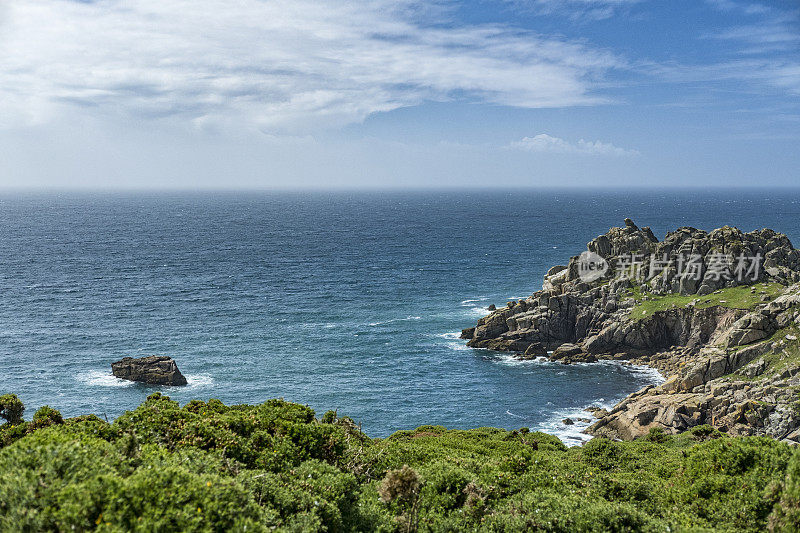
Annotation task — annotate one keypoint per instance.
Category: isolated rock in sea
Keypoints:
(154, 370)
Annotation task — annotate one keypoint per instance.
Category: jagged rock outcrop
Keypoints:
(724, 363)
(729, 384)
(688, 261)
(154, 370)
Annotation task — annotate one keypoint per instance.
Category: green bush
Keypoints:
(47, 416)
(11, 409)
(274, 466)
(786, 512)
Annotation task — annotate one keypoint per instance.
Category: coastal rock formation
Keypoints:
(718, 313)
(154, 370)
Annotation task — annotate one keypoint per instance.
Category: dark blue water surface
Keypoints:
(348, 301)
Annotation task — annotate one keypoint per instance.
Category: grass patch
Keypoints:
(740, 297)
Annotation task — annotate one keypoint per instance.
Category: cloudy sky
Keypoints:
(399, 93)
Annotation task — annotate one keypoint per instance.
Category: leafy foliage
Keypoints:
(11, 408)
(211, 467)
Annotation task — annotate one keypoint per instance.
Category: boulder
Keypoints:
(566, 350)
(571, 353)
(153, 370)
(536, 349)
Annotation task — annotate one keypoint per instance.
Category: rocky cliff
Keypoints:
(718, 313)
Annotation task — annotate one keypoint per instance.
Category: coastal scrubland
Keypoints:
(206, 466)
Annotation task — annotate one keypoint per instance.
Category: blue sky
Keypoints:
(399, 93)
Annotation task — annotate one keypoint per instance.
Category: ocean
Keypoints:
(351, 301)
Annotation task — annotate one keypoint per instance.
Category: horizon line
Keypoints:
(373, 189)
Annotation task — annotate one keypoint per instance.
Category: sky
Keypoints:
(284, 94)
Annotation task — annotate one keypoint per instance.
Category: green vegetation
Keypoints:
(210, 467)
(11, 409)
(740, 297)
(786, 356)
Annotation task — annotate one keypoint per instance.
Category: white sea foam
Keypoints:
(100, 378)
(199, 380)
(508, 359)
(651, 374)
(470, 309)
(458, 346)
(454, 340)
(393, 320)
(571, 435)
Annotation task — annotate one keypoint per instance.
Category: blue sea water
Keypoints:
(340, 300)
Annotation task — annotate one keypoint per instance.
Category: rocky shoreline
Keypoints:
(717, 313)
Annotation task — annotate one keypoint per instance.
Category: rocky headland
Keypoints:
(717, 313)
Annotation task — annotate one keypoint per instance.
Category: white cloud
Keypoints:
(773, 32)
(293, 65)
(544, 143)
(591, 9)
(775, 74)
(763, 52)
(746, 7)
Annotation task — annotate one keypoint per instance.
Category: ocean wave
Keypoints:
(508, 359)
(393, 320)
(454, 341)
(199, 380)
(470, 309)
(100, 378)
(474, 300)
(450, 335)
(458, 346)
(651, 374)
(571, 435)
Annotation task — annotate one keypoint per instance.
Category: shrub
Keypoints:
(602, 453)
(46, 416)
(786, 513)
(656, 434)
(11, 408)
(211, 467)
(402, 487)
